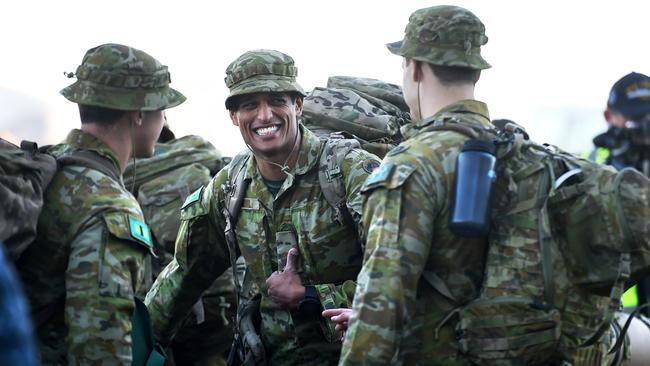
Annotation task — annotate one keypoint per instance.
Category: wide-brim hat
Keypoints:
(445, 36)
(262, 71)
(122, 78)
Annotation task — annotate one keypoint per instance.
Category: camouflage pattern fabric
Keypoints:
(330, 254)
(261, 71)
(370, 110)
(389, 97)
(162, 182)
(123, 78)
(443, 35)
(23, 177)
(87, 263)
(396, 315)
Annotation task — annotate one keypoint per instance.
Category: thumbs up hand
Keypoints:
(285, 287)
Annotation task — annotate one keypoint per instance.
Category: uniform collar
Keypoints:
(470, 109)
(81, 140)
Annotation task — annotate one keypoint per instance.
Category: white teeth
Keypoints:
(266, 130)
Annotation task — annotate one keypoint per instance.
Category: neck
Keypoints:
(271, 167)
(436, 96)
(117, 136)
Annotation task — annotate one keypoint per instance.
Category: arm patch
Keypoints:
(194, 205)
(388, 175)
(128, 227)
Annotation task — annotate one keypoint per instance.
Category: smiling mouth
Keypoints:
(265, 131)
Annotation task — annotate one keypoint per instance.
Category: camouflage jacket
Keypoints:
(330, 253)
(396, 312)
(87, 263)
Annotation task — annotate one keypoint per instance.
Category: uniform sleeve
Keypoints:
(398, 214)
(201, 255)
(356, 168)
(101, 279)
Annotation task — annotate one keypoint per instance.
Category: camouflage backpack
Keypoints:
(161, 185)
(368, 110)
(162, 182)
(567, 237)
(25, 173)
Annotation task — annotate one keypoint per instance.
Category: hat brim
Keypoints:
(265, 84)
(438, 56)
(135, 99)
(632, 111)
(394, 47)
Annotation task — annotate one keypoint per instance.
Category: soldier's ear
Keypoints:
(416, 70)
(136, 118)
(233, 117)
(298, 103)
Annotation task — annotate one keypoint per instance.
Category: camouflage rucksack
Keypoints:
(368, 110)
(163, 181)
(25, 173)
(567, 237)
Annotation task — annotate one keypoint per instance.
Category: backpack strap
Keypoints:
(439, 285)
(92, 160)
(235, 190)
(331, 178)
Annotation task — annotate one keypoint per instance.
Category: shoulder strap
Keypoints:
(89, 159)
(234, 197)
(331, 177)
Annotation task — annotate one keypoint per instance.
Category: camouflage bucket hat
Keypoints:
(123, 78)
(261, 71)
(443, 35)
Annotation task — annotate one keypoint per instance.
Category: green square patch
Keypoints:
(140, 231)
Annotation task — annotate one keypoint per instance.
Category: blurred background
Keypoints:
(553, 61)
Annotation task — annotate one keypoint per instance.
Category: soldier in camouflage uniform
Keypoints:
(283, 217)
(397, 315)
(88, 262)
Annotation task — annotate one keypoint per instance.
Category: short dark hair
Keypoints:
(233, 102)
(99, 115)
(450, 75)
(166, 135)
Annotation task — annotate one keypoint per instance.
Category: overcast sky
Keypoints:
(553, 61)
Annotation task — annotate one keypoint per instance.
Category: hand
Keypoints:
(339, 316)
(285, 288)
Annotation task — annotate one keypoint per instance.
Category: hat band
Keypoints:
(159, 79)
(265, 69)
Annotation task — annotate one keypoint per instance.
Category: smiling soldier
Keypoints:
(271, 206)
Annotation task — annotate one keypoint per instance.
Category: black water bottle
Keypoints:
(475, 176)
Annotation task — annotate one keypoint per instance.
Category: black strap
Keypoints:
(621, 337)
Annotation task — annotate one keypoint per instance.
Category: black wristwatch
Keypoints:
(310, 304)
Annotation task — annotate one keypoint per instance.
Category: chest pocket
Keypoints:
(330, 251)
(254, 241)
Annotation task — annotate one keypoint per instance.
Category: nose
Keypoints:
(264, 112)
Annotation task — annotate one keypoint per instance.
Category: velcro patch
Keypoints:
(380, 174)
(140, 231)
(195, 196)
